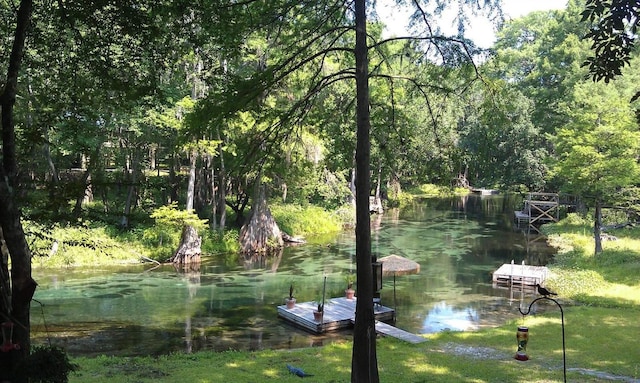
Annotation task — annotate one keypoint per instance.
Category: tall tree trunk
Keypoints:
(352, 187)
(222, 187)
(377, 199)
(364, 362)
(84, 188)
(191, 185)
(597, 225)
(173, 178)
(261, 232)
(131, 190)
(211, 190)
(22, 285)
(189, 250)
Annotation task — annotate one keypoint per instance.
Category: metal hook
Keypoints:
(564, 353)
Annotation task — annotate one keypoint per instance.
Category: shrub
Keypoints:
(298, 220)
(216, 242)
(171, 216)
(47, 364)
(75, 245)
(346, 214)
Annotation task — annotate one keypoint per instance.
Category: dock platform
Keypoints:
(339, 313)
(514, 274)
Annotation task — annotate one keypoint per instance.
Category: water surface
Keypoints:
(231, 303)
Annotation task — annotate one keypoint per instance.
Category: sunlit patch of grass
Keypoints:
(300, 220)
(608, 279)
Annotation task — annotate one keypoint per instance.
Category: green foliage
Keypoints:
(214, 242)
(171, 216)
(597, 149)
(349, 279)
(163, 238)
(48, 364)
(346, 214)
(431, 190)
(497, 133)
(399, 199)
(85, 244)
(330, 190)
(291, 291)
(540, 54)
(304, 221)
(613, 26)
(161, 241)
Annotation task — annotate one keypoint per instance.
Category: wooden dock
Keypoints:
(539, 208)
(512, 274)
(339, 313)
(484, 192)
(387, 329)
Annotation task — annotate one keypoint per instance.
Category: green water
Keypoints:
(231, 304)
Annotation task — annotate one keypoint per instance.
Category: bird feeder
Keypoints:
(522, 335)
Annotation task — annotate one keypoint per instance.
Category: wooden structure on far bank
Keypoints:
(539, 208)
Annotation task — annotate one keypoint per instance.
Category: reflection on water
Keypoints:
(446, 317)
(231, 303)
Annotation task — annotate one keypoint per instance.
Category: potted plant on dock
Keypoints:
(291, 300)
(349, 292)
(319, 313)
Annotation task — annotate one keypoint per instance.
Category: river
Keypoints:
(230, 304)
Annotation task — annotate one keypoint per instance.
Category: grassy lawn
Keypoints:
(600, 342)
(600, 296)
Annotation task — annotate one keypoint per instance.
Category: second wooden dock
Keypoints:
(514, 274)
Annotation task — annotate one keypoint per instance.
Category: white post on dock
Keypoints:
(511, 275)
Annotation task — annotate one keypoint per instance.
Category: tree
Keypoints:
(364, 363)
(16, 291)
(614, 31)
(114, 36)
(597, 151)
(497, 133)
(540, 54)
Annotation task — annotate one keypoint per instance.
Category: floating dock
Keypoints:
(339, 313)
(512, 274)
(484, 191)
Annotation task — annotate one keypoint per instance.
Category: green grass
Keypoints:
(597, 339)
(432, 190)
(608, 279)
(305, 221)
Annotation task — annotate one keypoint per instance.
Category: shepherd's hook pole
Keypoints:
(564, 353)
